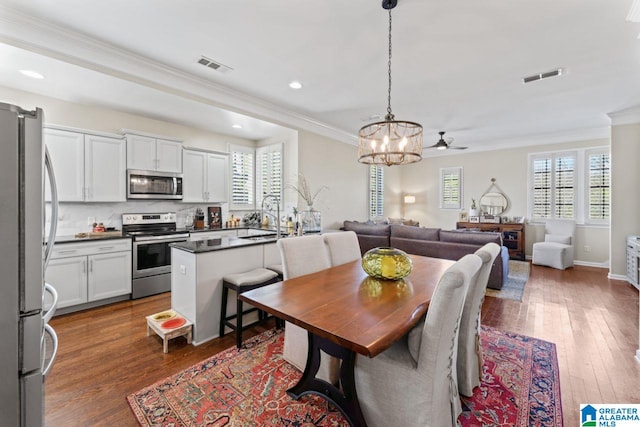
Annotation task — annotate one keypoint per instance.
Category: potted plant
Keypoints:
(310, 219)
(473, 210)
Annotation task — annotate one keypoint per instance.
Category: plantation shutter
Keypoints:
(565, 180)
(376, 191)
(553, 178)
(269, 171)
(451, 188)
(242, 177)
(599, 164)
(542, 188)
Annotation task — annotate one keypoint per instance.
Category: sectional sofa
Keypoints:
(432, 242)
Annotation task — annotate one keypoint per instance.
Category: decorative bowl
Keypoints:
(387, 263)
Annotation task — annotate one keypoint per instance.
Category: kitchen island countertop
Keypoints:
(222, 243)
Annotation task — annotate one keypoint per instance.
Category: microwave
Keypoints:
(153, 185)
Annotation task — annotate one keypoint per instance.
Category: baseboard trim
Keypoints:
(587, 264)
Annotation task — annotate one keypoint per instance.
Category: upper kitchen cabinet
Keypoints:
(205, 176)
(147, 152)
(88, 167)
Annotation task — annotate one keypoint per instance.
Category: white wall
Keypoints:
(625, 195)
(509, 168)
(324, 161)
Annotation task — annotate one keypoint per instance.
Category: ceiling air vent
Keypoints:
(533, 78)
(210, 63)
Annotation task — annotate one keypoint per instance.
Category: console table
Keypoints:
(512, 235)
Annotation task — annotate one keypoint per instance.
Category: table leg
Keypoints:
(345, 399)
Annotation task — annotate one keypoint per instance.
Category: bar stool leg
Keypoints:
(238, 322)
(223, 311)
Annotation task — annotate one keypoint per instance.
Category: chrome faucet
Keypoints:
(277, 218)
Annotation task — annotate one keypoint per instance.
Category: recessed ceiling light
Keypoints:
(295, 85)
(32, 74)
(236, 126)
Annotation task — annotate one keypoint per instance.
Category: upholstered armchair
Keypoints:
(557, 249)
(469, 351)
(413, 383)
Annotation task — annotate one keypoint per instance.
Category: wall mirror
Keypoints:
(493, 201)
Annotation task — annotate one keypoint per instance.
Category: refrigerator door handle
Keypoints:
(54, 208)
(54, 339)
(47, 315)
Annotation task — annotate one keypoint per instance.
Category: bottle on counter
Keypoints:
(290, 226)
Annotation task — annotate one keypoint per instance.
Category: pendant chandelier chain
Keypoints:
(389, 114)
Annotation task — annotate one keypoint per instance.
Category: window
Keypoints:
(376, 191)
(451, 188)
(570, 185)
(242, 177)
(598, 188)
(269, 174)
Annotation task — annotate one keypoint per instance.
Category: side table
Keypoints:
(167, 334)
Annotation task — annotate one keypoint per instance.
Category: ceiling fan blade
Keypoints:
(451, 147)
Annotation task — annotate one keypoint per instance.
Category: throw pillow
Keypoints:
(554, 238)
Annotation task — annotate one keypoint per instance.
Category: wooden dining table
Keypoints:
(346, 312)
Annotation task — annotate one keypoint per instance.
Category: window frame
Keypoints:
(377, 211)
(581, 184)
(259, 152)
(443, 203)
(233, 148)
(587, 199)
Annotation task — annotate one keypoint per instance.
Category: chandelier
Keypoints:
(390, 142)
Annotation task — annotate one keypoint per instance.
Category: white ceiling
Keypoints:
(457, 66)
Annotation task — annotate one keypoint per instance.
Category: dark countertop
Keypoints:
(221, 243)
(89, 238)
(202, 230)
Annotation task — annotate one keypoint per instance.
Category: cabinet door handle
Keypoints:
(84, 266)
(71, 251)
(106, 248)
(91, 266)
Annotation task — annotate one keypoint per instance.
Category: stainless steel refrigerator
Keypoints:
(24, 331)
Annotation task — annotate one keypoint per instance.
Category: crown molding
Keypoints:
(41, 37)
(627, 116)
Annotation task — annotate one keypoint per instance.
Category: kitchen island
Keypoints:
(197, 269)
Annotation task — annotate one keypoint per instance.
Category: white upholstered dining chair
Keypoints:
(300, 256)
(413, 383)
(557, 249)
(343, 247)
(469, 362)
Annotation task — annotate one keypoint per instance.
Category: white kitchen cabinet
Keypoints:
(155, 154)
(89, 168)
(86, 272)
(109, 275)
(205, 176)
(69, 277)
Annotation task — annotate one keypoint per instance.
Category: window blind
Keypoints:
(269, 171)
(599, 186)
(451, 188)
(242, 177)
(376, 192)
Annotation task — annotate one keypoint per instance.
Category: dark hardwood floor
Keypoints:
(105, 354)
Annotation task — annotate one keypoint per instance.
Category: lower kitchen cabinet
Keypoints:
(88, 272)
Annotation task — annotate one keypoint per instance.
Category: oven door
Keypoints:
(152, 254)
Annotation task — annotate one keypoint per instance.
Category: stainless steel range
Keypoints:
(151, 234)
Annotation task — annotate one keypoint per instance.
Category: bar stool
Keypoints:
(242, 282)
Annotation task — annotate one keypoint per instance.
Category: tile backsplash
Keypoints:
(73, 217)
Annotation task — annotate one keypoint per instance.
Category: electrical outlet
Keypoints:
(587, 248)
(183, 269)
(91, 220)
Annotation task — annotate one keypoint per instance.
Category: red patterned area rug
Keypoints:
(247, 387)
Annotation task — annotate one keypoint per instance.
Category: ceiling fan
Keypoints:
(445, 145)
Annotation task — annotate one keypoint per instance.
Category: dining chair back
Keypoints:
(413, 383)
(304, 255)
(343, 247)
(469, 363)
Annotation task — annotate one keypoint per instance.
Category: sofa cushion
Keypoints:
(369, 229)
(409, 232)
(471, 238)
